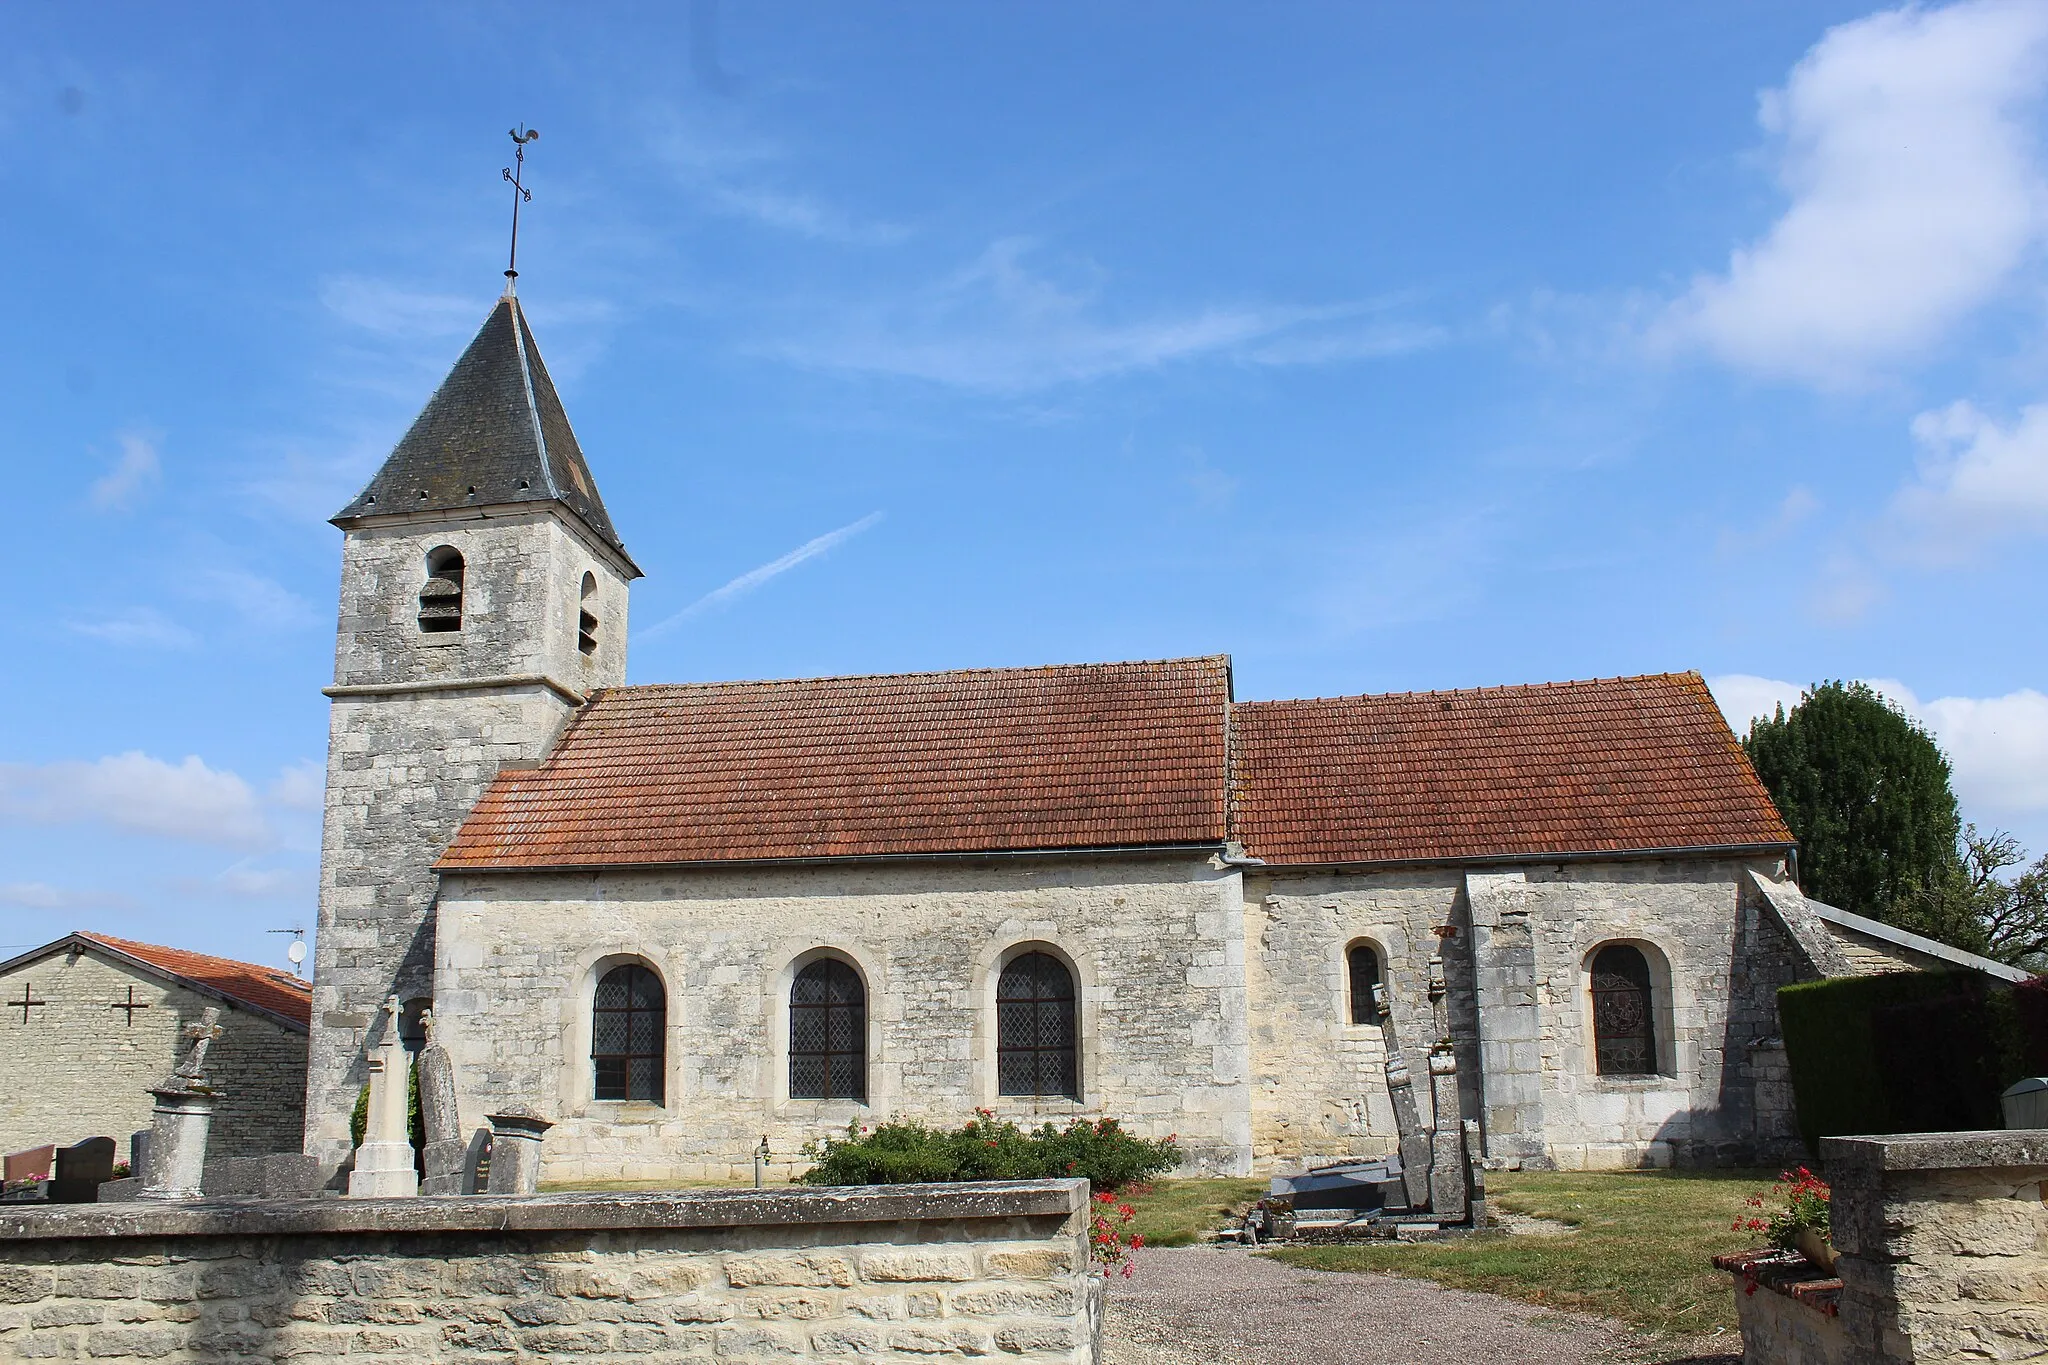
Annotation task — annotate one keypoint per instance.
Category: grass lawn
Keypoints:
(1178, 1213)
(1640, 1253)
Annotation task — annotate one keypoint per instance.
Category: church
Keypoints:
(682, 920)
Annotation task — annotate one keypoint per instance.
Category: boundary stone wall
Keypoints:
(907, 1272)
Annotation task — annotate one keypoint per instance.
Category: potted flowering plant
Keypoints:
(1797, 1217)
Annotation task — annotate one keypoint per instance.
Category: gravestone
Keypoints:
(280, 1175)
(1407, 1122)
(33, 1164)
(81, 1169)
(384, 1163)
(446, 1155)
(515, 1150)
(184, 1114)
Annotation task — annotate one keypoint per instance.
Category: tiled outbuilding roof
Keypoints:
(980, 760)
(1615, 765)
(495, 432)
(266, 989)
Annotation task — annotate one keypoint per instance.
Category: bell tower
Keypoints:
(483, 598)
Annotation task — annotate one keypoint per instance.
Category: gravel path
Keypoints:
(1226, 1306)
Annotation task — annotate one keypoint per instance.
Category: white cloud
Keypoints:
(1002, 326)
(138, 627)
(1905, 143)
(1998, 746)
(1979, 481)
(244, 882)
(258, 600)
(44, 896)
(302, 786)
(137, 793)
(754, 578)
(137, 471)
(393, 310)
(802, 215)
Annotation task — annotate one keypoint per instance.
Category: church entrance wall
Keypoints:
(1154, 946)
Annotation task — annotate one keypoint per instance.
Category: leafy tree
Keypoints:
(1974, 907)
(1866, 792)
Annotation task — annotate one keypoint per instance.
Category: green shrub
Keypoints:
(1100, 1152)
(1901, 1052)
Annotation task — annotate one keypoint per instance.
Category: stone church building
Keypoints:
(676, 918)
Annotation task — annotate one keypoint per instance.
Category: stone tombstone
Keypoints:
(1447, 1175)
(33, 1164)
(176, 1149)
(384, 1163)
(81, 1169)
(515, 1150)
(446, 1155)
(1401, 1090)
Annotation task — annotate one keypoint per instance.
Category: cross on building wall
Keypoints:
(26, 1003)
(130, 1006)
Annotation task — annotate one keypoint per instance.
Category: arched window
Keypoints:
(441, 597)
(1035, 1029)
(629, 1017)
(1624, 1020)
(1364, 961)
(828, 1033)
(586, 615)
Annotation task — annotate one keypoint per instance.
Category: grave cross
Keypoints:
(25, 1004)
(129, 1005)
(202, 1033)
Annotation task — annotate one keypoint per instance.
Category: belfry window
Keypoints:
(1035, 1029)
(441, 597)
(629, 1017)
(1624, 1020)
(586, 615)
(828, 1033)
(1363, 961)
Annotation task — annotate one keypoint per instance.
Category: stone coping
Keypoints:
(1986, 1147)
(1787, 1273)
(592, 1211)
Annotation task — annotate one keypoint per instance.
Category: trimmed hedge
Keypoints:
(1908, 1052)
(903, 1153)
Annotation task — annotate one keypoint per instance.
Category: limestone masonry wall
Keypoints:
(77, 1067)
(905, 1273)
(1155, 944)
(1944, 1242)
(404, 769)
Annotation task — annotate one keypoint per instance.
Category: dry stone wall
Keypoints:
(79, 1067)
(1155, 944)
(905, 1273)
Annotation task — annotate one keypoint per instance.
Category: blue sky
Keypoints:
(1381, 347)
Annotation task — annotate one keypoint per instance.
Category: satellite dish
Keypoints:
(297, 952)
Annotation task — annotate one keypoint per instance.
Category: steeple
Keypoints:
(494, 434)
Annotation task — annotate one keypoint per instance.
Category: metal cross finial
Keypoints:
(520, 194)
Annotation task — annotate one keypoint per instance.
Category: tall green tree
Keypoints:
(1866, 792)
(1976, 906)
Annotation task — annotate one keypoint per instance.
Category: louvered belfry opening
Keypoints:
(586, 615)
(1035, 1029)
(1624, 1021)
(629, 1017)
(441, 597)
(828, 1033)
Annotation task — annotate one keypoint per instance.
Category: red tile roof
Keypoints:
(1616, 765)
(981, 760)
(1119, 755)
(265, 988)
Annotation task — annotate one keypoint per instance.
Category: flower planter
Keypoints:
(1813, 1244)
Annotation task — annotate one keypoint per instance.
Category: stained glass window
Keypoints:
(828, 1033)
(1365, 974)
(628, 1020)
(1624, 1027)
(1035, 1029)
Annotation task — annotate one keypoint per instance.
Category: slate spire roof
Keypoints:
(494, 433)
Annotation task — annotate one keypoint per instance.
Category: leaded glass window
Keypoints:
(828, 1033)
(1624, 1023)
(1035, 1029)
(1364, 962)
(628, 1020)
